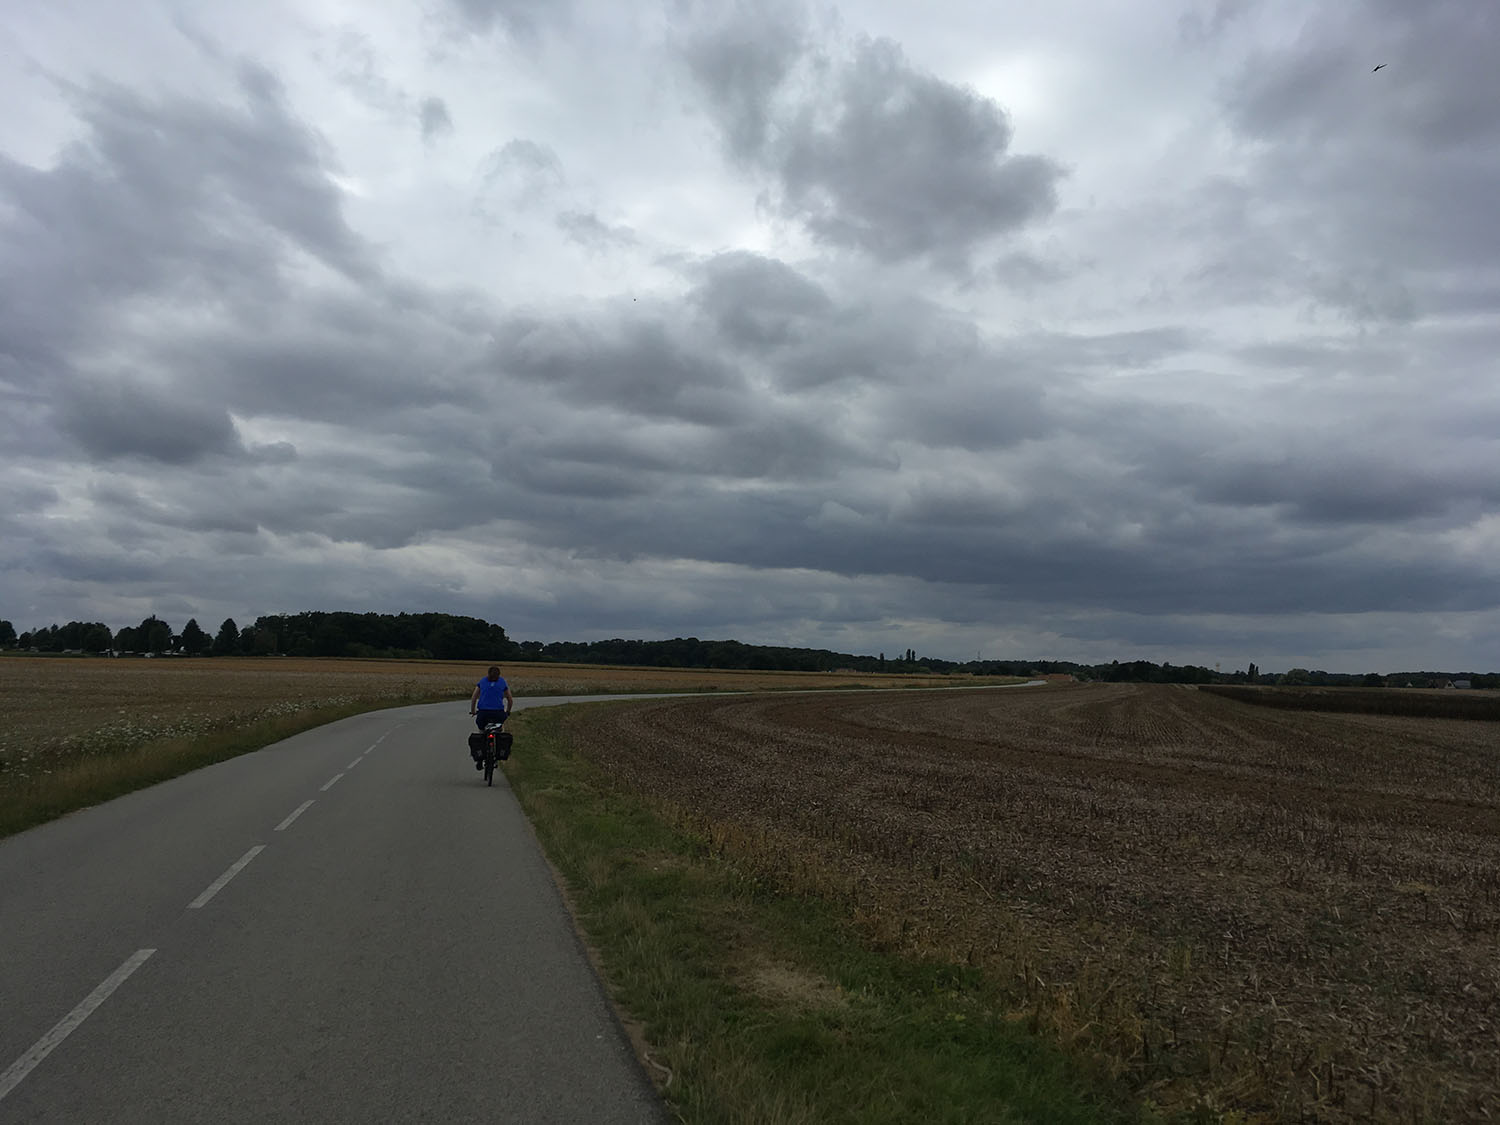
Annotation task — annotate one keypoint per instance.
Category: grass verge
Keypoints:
(90, 781)
(770, 1008)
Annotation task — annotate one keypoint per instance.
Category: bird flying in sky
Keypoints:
(1377, 68)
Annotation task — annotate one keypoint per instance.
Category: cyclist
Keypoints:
(491, 702)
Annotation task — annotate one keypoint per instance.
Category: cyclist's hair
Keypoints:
(494, 671)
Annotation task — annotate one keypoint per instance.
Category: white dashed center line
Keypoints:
(218, 884)
(69, 1023)
(18, 1070)
(298, 811)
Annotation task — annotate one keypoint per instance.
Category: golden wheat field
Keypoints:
(55, 711)
(1279, 915)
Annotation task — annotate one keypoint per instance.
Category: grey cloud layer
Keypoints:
(1382, 178)
(865, 150)
(247, 396)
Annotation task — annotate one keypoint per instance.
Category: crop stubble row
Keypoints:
(1284, 911)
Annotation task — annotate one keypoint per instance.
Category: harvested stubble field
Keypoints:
(61, 717)
(1279, 915)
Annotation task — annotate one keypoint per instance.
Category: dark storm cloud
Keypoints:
(117, 419)
(199, 227)
(160, 197)
(867, 152)
(1340, 476)
(1098, 526)
(151, 507)
(338, 359)
(107, 565)
(802, 339)
(908, 165)
(740, 64)
(22, 500)
(782, 446)
(1320, 479)
(1344, 489)
(759, 302)
(1437, 89)
(433, 116)
(879, 343)
(1381, 185)
(386, 497)
(1066, 558)
(641, 368)
(974, 416)
(25, 415)
(559, 477)
(196, 226)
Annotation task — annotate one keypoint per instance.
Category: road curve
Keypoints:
(346, 926)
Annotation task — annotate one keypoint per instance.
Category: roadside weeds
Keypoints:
(82, 781)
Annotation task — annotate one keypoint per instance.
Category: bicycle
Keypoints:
(489, 746)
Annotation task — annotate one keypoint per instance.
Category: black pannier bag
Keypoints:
(503, 739)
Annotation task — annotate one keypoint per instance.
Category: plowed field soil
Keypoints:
(1292, 915)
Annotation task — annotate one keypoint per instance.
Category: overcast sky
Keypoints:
(1082, 330)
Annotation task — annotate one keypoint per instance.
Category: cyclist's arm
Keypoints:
(474, 699)
(510, 702)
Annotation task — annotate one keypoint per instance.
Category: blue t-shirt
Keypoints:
(492, 694)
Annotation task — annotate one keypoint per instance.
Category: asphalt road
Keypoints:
(347, 926)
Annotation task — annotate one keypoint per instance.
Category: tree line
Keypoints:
(442, 636)
(419, 636)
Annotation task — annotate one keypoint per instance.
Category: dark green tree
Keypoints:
(227, 643)
(194, 639)
(7, 635)
(154, 635)
(329, 638)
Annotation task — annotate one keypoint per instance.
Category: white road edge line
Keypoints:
(218, 884)
(44, 1046)
(327, 785)
(356, 761)
(298, 811)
